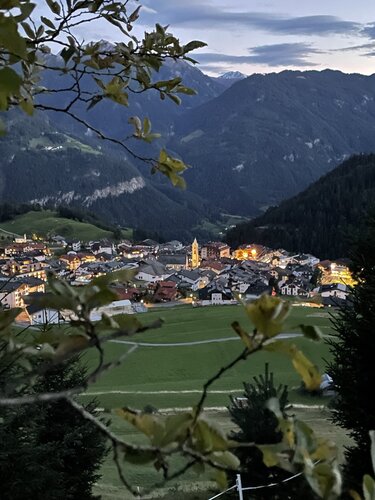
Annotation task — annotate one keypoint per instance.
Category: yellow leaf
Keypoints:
(150, 425)
(268, 314)
(307, 370)
(243, 335)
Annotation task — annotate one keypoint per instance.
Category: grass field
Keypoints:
(42, 223)
(170, 377)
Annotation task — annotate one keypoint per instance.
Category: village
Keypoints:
(166, 274)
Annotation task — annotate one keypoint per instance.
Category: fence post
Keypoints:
(239, 486)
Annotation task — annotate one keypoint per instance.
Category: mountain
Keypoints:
(229, 78)
(268, 137)
(111, 118)
(232, 75)
(44, 165)
(322, 219)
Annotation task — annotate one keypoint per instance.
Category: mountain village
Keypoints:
(167, 274)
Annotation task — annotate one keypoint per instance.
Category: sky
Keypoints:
(260, 36)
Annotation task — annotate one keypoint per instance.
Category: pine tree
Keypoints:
(257, 424)
(353, 356)
(48, 450)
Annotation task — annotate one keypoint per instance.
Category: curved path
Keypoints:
(197, 342)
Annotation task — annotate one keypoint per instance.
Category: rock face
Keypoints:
(269, 136)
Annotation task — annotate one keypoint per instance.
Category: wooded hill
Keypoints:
(322, 219)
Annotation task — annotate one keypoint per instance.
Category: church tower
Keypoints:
(194, 254)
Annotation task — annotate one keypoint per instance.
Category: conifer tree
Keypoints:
(48, 450)
(257, 424)
(352, 365)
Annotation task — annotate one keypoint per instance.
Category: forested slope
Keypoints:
(322, 219)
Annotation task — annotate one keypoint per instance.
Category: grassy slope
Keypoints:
(47, 221)
(185, 368)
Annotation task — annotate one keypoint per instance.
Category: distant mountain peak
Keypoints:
(233, 75)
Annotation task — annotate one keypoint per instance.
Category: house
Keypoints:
(102, 246)
(71, 260)
(335, 272)
(42, 315)
(250, 252)
(166, 291)
(212, 265)
(76, 246)
(151, 271)
(192, 278)
(215, 250)
(174, 261)
(257, 289)
(14, 291)
(294, 288)
(215, 294)
(335, 290)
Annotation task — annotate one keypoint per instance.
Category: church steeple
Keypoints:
(194, 254)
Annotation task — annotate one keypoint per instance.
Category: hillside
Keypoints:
(322, 219)
(268, 137)
(47, 222)
(42, 164)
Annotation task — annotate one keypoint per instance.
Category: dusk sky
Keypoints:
(268, 35)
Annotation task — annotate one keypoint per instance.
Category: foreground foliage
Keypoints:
(352, 361)
(48, 450)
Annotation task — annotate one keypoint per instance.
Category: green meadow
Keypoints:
(171, 377)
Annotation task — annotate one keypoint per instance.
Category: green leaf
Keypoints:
(71, 345)
(8, 317)
(146, 126)
(174, 98)
(225, 459)
(27, 106)
(208, 437)
(10, 38)
(193, 45)
(270, 457)
(28, 30)
(221, 479)
(54, 7)
(176, 428)
(150, 425)
(324, 479)
(2, 127)
(368, 487)
(47, 22)
(128, 324)
(122, 276)
(26, 9)
(10, 81)
(243, 335)
(134, 15)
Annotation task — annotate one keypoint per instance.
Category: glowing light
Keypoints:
(253, 252)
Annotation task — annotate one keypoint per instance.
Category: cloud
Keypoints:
(369, 31)
(197, 14)
(355, 48)
(282, 54)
